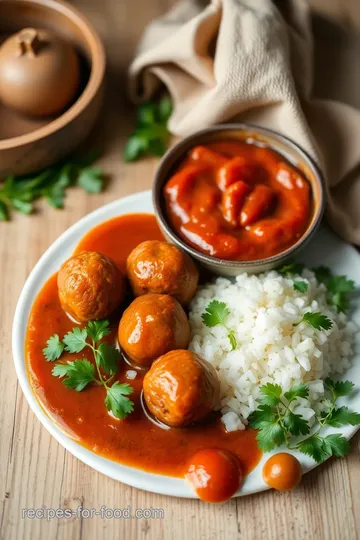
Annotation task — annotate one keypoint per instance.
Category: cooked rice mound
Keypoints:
(263, 311)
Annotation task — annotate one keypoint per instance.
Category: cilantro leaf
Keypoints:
(108, 358)
(75, 341)
(292, 268)
(342, 416)
(22, 206)
(317, 320)
(336, 445)
(146, 114)
(322, 273)
(151, 134)
(135, 147)
(301, 286)
(215, 313)
(296, 424)
(232, 339)
(340, 284)
(91, 179)
(270, 394)
(313, 447)
(77, 374)
(117, 402)
(270, 435)
(54, 348)
(299, 390)
(4, 212)
(96, 330)
(261, 416)
(339, 288)
(339, 388)
(164, 109)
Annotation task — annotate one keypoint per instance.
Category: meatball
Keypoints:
(152, 325)
(181, 388)
(90, 286)
(160, 267)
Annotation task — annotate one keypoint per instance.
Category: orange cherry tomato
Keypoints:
(215, 475)
(282, 471)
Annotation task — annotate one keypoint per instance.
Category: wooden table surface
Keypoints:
(35, 470)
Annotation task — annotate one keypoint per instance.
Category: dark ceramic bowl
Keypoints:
(284, 146)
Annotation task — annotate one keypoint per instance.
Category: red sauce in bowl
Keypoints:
(238, 201)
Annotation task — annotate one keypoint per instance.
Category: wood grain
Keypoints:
(35, 470)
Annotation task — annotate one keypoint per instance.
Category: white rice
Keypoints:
(263, 310)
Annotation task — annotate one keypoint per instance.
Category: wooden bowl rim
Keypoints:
(98, 62)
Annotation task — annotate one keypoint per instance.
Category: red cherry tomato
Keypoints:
(282, 472)
(215, 475)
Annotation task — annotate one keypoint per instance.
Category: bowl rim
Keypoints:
(183, 145)
(98, 62)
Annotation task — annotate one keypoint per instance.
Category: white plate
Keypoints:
(325, 249)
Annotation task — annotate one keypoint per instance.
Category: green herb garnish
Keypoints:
(151, 134)
(292, 268)
(317, 320)
(279, 425)
(339, 288)
(301, 286)
(216, 313)
(20, 193)
(80, 373)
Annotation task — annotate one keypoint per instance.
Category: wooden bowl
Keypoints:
(27, 144)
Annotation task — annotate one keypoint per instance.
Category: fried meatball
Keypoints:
(160, 267)
(152, 325)
(90, 286)
(181, 388)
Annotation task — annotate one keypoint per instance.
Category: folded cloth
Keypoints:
(252, 61)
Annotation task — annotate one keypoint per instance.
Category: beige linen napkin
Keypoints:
(252, 60)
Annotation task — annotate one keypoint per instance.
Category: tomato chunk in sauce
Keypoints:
(238, 201)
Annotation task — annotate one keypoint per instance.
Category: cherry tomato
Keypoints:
(282, 471)
(215, 475)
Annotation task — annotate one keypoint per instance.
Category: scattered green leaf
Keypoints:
(54, 348)
(117, 402)
(270, 394)
(292, 268)
(216, 313)
(151, 134)
(97, 330)
(278, 425)
(19, 193)
(299, 390)
(108, 358)
(301, 286)
(75, 341)
(77, 374)
(317, 320)
(339, 388)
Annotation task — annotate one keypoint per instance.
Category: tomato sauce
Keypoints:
(238, 201)
(135, 441)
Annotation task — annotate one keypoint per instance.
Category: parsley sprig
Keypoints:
(317, 320)
(81, 372)
(216, 313)
(279, 425)
(19, 193)
(339, 288)
(151, 134)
